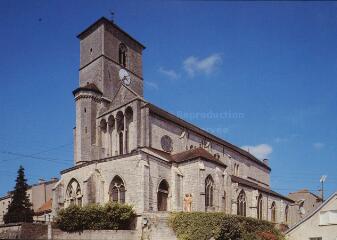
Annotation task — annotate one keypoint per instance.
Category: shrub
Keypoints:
(111, 216)
(203, 226)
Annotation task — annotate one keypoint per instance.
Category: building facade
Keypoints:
(305, 203)
(131, 151)
(320, 224)
(40, 194)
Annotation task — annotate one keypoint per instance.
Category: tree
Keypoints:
(20, 208)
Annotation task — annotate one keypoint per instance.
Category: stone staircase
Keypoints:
(157, 227)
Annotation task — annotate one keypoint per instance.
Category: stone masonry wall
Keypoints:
(160, 127)
(99, 235)
(24, 231)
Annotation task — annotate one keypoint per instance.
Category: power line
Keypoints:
(49, 159)
(38, 153)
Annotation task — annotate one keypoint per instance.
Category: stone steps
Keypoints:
(158, 228)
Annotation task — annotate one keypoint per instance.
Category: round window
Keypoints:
(166, 143)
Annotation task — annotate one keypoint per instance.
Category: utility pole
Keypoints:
(322, 180)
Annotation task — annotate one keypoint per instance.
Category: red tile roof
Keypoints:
(45, 208)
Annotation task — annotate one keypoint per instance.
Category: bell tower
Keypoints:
(105, 49)
(109, 59)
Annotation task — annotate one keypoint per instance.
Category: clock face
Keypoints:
(124, 76)
(166, 143)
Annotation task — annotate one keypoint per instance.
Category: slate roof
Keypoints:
(193, 154)
(248, 183)
(89, 87)
(202, 132)
(188, 155)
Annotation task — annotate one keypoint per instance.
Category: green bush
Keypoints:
(203, 226)
(113, 216)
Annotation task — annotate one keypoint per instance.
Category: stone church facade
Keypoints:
(130, 151)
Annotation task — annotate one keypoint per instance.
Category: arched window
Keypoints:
(128, 120)
(74, 194)
(209, 188)
(241, 204)
(120, 140)
(162, 195)
(117, 190)
(122, 54)
(111, 127)
(236, 169)
(286, 213)
(103, 132)
(259, 207)
(120, 131)
(273, 212)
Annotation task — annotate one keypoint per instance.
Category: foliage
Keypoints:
(203, 226)
(20, 208)
(112, 216)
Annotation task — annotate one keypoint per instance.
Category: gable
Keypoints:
(123, 95)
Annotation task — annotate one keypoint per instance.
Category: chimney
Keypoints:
(266, 161)
(41, 180)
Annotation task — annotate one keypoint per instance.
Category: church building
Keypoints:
(129, 150)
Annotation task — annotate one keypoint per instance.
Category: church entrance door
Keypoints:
(162, 196)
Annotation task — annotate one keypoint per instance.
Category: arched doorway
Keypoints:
(162, 195)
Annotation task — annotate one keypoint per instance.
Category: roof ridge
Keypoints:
(185, 156)
(259, 187)
(210, 135)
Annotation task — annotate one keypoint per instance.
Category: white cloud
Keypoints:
(194, 65)
(281, 139)
(152, 85)
(318, 145)
(260, 151)
(169, 73)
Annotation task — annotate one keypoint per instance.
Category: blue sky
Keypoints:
(262, 75)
